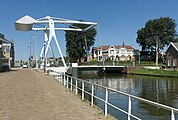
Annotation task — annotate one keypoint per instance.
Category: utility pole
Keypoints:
(31, 53)
(36, 51)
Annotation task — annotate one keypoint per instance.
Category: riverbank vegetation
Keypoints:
(151, 72)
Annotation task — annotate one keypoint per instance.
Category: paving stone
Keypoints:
(26, 94)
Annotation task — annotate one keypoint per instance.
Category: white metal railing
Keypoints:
(64, 80)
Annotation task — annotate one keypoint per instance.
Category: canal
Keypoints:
(159, 89)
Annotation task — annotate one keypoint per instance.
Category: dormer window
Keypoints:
(122, 51)
(129, 52)
(112, 52)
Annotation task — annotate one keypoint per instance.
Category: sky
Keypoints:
(118, 20)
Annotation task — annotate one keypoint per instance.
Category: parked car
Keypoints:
(25, 66)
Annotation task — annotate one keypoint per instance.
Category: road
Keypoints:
(26, 94)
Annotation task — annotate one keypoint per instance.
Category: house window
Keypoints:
(174, 62)
(6, 49)
(122, 51)
(105, 52)
(99, 52)
(112, 52)
(129, 52)
(169, 63)
(95, 52)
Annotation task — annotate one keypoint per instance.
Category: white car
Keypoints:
(25, 66)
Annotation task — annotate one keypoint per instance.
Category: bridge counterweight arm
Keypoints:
(68, 29)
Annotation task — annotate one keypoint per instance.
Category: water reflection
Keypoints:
(159, 89)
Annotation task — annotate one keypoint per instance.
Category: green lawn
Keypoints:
(163, 73)
(151, 63)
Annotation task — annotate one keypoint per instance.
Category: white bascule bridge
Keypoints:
(50, 25)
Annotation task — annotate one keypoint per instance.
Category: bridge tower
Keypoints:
(48, 25)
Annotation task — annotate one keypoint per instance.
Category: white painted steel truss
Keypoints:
(49, 26)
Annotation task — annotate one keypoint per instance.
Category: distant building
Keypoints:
(6, 54)
(136, 54)
(172, 55)
(114, 53)
(0, 54)
(2, 40)
(18, 63)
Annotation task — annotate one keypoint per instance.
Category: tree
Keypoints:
(78, 43)
(156, 34)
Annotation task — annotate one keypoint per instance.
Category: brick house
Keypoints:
(172, 55)
(0, 54)
(2, 40)
(8, 54)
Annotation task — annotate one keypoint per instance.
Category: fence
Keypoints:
(72, 83)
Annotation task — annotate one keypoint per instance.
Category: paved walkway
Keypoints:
(26, 94)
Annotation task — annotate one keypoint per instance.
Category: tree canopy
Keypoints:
(160, 30)
(156, 34)
(79, 43)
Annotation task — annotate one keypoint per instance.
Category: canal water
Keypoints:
(159, 89)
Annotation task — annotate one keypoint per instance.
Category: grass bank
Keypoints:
(151, 72)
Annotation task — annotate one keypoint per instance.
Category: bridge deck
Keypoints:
(28, 94)
(95, 66)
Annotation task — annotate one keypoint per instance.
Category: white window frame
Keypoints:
(123, 51)
(174, 62)
(169, 62)
(129, 52)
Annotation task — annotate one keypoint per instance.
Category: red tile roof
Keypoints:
(117, 47)
(103, 47)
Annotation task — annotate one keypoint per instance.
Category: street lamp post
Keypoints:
(31, 54)
(36, 51)
(36, 54)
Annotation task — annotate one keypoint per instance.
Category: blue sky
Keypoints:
(118, 20)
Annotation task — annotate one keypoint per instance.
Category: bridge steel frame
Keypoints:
(48, 23)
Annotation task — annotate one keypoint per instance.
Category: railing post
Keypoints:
(60, 81)
(106, 103)
(57, 78)
(71, 83)
(82, 90)
(76, 86)
(129, 108)
(92, 94)
(172, 115)
(64, 79)
(67, 81)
